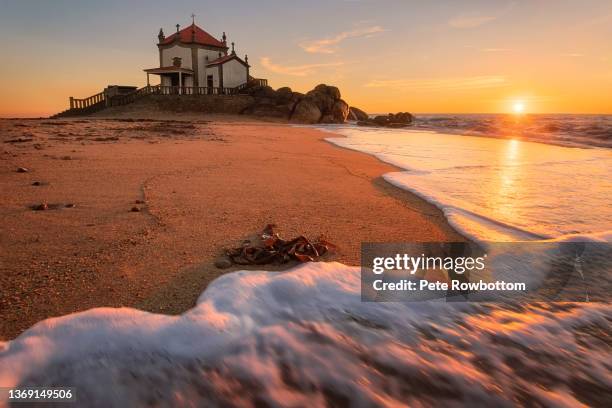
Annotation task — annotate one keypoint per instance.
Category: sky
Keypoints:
(553, 56)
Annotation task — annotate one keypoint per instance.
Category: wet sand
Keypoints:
(200, 184)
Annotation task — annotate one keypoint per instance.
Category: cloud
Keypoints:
(470, 20)
(327, 45)
(476, 19)
(496, 49)
(295, 70)
(573, 55)
(475, 82)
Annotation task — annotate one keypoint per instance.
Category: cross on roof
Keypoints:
(193, 18)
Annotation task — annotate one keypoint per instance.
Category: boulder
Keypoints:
(321, 104)
(295, 98)
(328, 90)
(322, 100)
(401, 117)
(398, 120)
(381, 120)
(357, 114)
(283, 95)
(328, 118)
(324, 96)
(337, 114)
(306, 111)
(340, 111)
(260, 91)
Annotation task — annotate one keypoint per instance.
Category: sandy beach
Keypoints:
(200, 184)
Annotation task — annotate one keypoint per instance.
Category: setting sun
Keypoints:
(518, 107)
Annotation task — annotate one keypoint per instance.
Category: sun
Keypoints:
(518, 107)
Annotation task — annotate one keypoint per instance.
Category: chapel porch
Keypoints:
(174, 77)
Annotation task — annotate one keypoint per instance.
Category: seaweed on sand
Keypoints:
(271, 248)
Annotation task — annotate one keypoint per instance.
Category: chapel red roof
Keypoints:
(225, 58)
(194, 35)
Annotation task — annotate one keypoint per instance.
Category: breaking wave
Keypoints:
(304, 338)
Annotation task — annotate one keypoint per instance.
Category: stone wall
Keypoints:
(235, 104)
(323, 104)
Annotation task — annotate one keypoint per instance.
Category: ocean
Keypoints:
(562, 129)
(540, 179)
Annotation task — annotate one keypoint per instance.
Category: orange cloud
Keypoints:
(295, 70)
(470, 20)
(326, 45)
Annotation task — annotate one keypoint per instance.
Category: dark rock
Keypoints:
(223, 263)
(337, 114)
(70, 205)
(328, 90)
(37, 183)
(323, 101)
(135, 209)
(322, 104)
(340, 111)
(22, 170)
(260, 91)
(398, 120)
(41, 207)
(329, 118)
(326, 98)
(295, 98)
(306, 111)
(401, 117)
(19, 140)
(381, 120)
(106, 139)
(357, 114)
(283, 95)
(139, 202)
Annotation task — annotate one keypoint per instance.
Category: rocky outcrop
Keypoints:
(306, 111)
(357, 114)
(397, 120)
(323, 104)
(339, 111)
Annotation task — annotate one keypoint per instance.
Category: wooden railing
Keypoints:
(193, 90)
(260, 82)
(87, 102)
(252, 82)
(119, 100)
(100, 101)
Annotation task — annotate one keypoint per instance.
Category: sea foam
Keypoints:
(495, 189)
(304, 338)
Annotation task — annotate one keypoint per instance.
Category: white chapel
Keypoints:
(191, 57)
